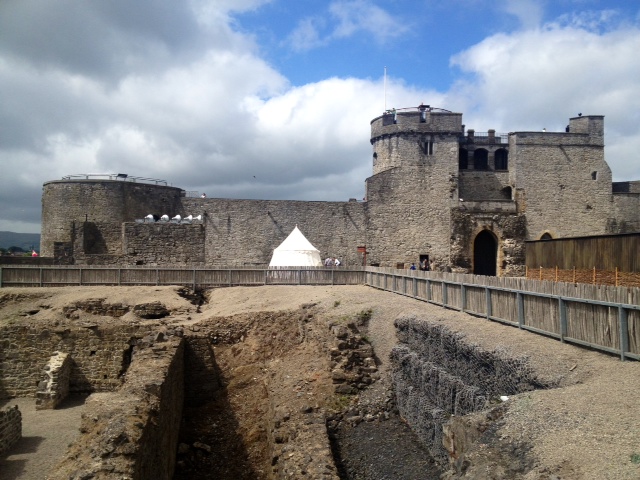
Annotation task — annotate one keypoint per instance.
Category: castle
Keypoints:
(461, 200)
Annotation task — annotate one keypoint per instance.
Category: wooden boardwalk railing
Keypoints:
(58, 276)
(600, 317)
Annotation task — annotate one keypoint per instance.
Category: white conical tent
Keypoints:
(296, 251)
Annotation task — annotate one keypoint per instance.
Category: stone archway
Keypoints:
(485, 254)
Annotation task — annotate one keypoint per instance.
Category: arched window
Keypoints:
(502, 159)
(481, 159)
(546, 236)
(463, 159)
(485, 254)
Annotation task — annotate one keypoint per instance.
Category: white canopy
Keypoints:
(296, 251)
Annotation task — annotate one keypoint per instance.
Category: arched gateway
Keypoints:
(485, 254)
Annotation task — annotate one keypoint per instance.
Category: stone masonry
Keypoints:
(10, 427)
(467, 202)
(55, 387)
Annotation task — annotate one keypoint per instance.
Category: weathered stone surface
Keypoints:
(10, 427)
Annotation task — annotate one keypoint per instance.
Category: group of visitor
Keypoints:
(332, 262)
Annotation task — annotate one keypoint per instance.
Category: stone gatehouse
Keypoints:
(464, 200)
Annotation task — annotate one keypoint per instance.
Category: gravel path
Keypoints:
(45, 437)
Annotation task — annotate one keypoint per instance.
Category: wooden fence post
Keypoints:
(520, 300)
(487, 294)
(594, 275)
(624, 332)
(540, 277)
(562, 308)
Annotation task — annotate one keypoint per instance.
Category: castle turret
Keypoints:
(412, 136)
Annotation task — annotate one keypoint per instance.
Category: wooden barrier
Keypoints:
(57, 276)
(596, 316)
(591, 276)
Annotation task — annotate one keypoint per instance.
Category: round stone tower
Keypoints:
(413, 136)
(84, 214)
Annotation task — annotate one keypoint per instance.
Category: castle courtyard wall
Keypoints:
(69, 203)
(563, 184)
(245, 232)
(406, 216)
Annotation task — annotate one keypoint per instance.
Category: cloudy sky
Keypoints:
(272, 99)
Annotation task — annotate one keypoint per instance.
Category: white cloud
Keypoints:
(528, 12)
(207, 112)
(346, 19)
(519, 81)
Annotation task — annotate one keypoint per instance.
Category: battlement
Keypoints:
(421, 119)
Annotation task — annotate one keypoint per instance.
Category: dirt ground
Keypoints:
(588, 428)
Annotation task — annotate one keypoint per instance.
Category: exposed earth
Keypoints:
(275, 342)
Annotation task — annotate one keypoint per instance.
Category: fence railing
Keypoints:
(603, 318)
(57, 276)
(586, 275)
(606, 318)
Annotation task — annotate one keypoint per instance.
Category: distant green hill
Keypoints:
(26, 241)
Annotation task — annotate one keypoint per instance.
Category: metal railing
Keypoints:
(114, 176)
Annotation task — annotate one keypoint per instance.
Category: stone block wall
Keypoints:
(626, 218)
(436, 374)
(563, 184)
(475, 185)
(100, 356)
(161, 244)
(245, 232)
(10, 428)
(406, 218)
(101, 203)
(508, 228)
(133, 433)
(55, 387)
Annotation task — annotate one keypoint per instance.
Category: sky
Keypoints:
(273, 99)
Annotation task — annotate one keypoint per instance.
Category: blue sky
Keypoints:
(272, 99)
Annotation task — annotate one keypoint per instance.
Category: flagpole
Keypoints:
(385, 89)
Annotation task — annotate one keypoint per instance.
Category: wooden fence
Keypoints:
(600, 317)
(59, 276)
(585, 275)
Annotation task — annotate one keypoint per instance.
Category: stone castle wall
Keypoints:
(406, 143)
(419, 202)
(626, 218)
(405, 219)
(66, 203)
(245, 232)
(479, 185)
(563, 183)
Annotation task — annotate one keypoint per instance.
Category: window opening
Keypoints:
(501, 157)
(481, 159)
(463, 159)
